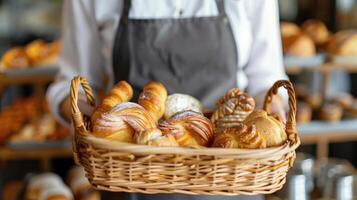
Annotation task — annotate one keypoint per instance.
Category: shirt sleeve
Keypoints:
(80, 53)
(265, 64)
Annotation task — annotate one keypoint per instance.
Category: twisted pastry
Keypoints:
(153, 98)
(120, 92)
(122, 122)
(242, 136)
(154, 137)
(189, 128)
(232, 109)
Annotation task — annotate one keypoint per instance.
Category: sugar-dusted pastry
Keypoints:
(232, 109)
(343, 43)
(122, 121)
(181, 102)
(330, 112)
(303, 113)
(269, 127)
(317, 30)
(14, 58)
(189, 128)
(121, 92)
(154, 137)
(41, 182)
(242, 136)
(153, 98)
(56, 193)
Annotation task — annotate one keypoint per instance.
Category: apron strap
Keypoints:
(220, 7)
(126, 9)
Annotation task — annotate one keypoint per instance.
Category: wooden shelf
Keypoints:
(325, 67)
(7, 153)
(38, 75)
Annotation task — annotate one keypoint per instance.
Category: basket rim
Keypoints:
(112, 145)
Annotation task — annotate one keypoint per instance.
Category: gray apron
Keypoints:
(195, 56)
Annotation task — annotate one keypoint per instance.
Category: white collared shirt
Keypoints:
(89, 28)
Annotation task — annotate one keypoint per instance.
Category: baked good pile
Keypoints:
(159, 119)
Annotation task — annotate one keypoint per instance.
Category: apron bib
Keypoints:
(195, 56)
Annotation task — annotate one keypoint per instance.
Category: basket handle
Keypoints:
(77, 116)
(291, 120)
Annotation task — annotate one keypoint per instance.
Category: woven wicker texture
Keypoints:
(124, 167)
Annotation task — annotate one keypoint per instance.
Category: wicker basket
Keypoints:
(123, 167)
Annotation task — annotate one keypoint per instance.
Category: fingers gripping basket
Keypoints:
(123, 167)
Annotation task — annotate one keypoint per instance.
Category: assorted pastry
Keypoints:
(36, 53)
(343, 43)
(160, 119)
(17, 123)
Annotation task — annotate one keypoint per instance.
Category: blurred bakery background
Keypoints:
(319, 40)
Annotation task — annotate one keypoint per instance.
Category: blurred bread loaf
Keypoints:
(14, 58)
(317, 31)
(343, 43)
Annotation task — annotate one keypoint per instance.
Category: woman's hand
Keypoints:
(84, 107)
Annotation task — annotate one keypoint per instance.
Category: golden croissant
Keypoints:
(242, 136)
(270, 127)
(232, 109)
(189, 128)
(153, 98)
(122, 122)
(121, 92)
(154, 137)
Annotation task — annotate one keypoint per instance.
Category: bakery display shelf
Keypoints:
(324, 133)
(66, 144)
(325, 67)
(31, 75)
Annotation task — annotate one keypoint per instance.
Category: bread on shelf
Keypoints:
(303, 113)
(153, 98)
(14, 58)
(343, 43)
(189, 128)
(317, 31)
(40, 52)
(330, 112)
(269, 127)
(345, 100)
(242, 136)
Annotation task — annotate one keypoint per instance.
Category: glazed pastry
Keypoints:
(232, 109)
(122, 121)
(121, 92)
(304, 113)
(269, 127)
(345, 100)
(343, 43)
(317, 30)
(299, 45)
(41, 53)
(189, 128)
(14, 58)
(331, 112)
(56, 193)
(153, 98)
(181, 102)
(154, 137)
(239, 137)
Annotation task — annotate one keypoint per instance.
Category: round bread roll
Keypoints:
(343, 43)
(299, 45)
(269, 127)
(288, 29)
(345, 100)
(42, 182)
(317, 30)
(56, 193)
(181, 102)
(330, 112)
(304, 113)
